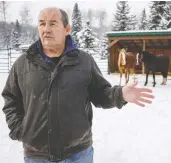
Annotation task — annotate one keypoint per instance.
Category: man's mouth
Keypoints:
(48, 37)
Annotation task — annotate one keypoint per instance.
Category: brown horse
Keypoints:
(126, 63)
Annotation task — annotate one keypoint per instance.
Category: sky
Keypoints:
(14, 7)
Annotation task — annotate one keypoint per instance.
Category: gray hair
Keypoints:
(65, 19)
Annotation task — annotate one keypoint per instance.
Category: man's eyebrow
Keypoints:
(52, 21)
(41, 20)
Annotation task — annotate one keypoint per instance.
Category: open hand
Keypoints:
(135, 95)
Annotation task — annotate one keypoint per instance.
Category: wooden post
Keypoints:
(143, 67)
(109, 61)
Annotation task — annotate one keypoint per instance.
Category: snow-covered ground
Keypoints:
(134, 134)
(130, 135)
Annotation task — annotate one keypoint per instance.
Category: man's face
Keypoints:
(51, 29)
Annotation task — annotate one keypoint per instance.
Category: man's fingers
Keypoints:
(147, 95)
(140, 104)
(145, 100)
(145, 90)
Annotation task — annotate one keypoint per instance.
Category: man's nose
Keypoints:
(47, 28)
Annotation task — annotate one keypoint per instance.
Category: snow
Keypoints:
(138, 31)
(135, 134)
(25, 46)
(130, 135)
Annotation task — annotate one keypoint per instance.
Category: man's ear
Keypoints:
(68, 29)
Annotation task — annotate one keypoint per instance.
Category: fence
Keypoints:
(7, 58)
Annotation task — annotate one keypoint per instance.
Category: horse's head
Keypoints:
(143, 56)
(139, 58)
(125, 47)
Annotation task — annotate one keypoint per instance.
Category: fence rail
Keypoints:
(7, 58)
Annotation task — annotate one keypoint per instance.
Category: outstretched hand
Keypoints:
(135, 95)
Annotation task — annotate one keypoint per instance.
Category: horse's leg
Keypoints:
(147, 73)
(126, 74)
(120, 71)
(134, 74)
(164, 74)
(164, 81)
(163, 78)
(154, 82)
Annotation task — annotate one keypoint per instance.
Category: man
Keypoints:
(49, 91)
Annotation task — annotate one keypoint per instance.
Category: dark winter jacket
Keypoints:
(50, 110)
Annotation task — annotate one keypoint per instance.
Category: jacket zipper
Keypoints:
(47, 67)
(55, 73)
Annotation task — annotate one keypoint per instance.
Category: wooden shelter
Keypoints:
(154, 41)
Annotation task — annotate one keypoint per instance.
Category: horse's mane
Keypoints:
(120, 56)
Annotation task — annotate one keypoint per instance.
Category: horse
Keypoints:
(155, 63)
(126, 63)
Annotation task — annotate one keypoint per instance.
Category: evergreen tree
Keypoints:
(16, 35)
(87, 39)
(88, 36)
(168, 13)
(17, 27)
(76, 23)
(15, 39)
(159, 15)
(104, 47)
(123, 20)
(143, 21)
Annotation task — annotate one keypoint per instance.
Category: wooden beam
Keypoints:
(139, 37)
(112, 43)
(143, 66)
(143, 44)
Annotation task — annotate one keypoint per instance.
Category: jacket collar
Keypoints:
(36, 50)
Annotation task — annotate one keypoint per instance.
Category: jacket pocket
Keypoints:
(15, 133)
(89, 114)
(20, 131)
